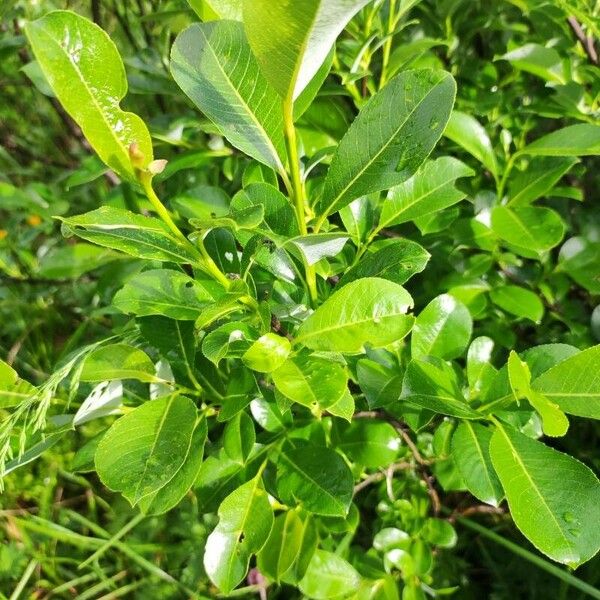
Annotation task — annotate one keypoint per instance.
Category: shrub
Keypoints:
(344, 315)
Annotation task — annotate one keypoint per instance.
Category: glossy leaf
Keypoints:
(315, 246)
(535, 229)
(465, 130)
(518, 301)
(85, 72)
(471, 454)
(401, 124)
(316, 478)
(373, 444)
(311, 380)
(554, 421)
(283, 546)
(118, 361)
(329, 576)
(239, 437)
(380, 384)
(144, 450)
(538, 179)
(166, 292)
(550, 494)
(368, 311)
(396, 261)
(292, 40)
(429, 190)
(214, 66)
(13, 389)
(105, 399)
(245, 521)
(574, 384)
(538, 60)
(137, 235)
(208, 10)
(267, 353)
(575, 140)
(442, 329)
(171, 494)
(433, 385)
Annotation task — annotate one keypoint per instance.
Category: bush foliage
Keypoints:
(300, 299)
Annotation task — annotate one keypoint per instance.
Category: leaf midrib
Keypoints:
(244, 104)
(89, 93)
(532, 483)
(296, 468)
(379, 152)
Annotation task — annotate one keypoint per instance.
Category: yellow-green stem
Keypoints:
(387, 46)
(299, 194)
(206, 263)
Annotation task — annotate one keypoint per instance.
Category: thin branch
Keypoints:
(380, 476)
(587, 41)
(421, 462)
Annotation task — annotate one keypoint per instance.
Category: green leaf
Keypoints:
(283, 546)
(575, 140)
(531, 228)
(357, 218)
(367, 311)
(304, 100)
(174, 339)
(538, 179)
(471, 454)
(480, 371)
(397, 261)
(574, 384)
(315, 246)
(71, 262)
(442, 329)
(239, 437)
(105, 399)
(311, 380)
(85, 72)
(380, 384)
(137, 235)
(231, 339)
(279, 217)
(344, 407)
(208, 10)
(267, 414)
(144, 450)
(552, 497)
(245, 522)
(166, 292)
(373, 444)
(315, 477)
(13, 389)
(267, 353)
(538, 60)
(518, 301)
(433, 385)
(329, 576)
(402, 123)
(579, 257)
(429, 190)
(292, 40)
(440, 532)
(171, 494)
(118, 361)
(466, 131)
(214, 66)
